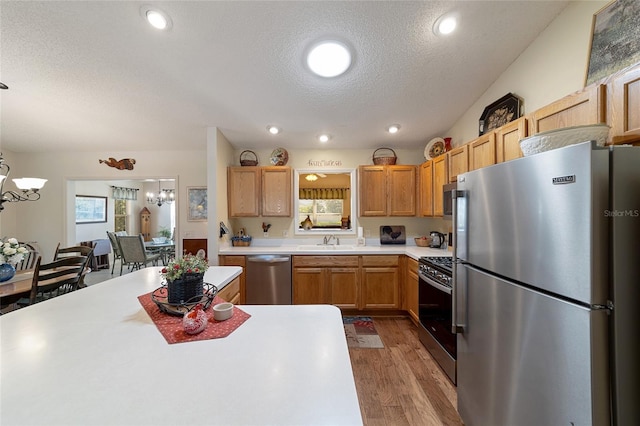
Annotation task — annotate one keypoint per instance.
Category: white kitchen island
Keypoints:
(94, 357)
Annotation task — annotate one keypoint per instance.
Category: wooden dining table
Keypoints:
(20, 283)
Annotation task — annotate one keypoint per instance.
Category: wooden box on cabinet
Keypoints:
(387, 190)
(624, 116)
(508, 140)
(458, 162)
(482, 151)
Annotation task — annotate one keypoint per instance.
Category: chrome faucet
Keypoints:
(328, 238)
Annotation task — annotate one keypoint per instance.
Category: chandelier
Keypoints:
(28, 186)
(164, 196)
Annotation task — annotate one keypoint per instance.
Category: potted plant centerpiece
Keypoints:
(11, 253)
(184, 278)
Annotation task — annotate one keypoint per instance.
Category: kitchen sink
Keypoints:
(324, 247)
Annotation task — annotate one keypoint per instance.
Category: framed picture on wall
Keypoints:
(197, 204)
(91, 209)
(615, 39)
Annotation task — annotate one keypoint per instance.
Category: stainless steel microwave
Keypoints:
(447, 200)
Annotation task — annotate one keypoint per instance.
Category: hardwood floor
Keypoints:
(401, 384)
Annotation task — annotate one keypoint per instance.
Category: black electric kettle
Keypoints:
(437, 239)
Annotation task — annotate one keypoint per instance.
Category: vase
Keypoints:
(187, 288)
(7, 271)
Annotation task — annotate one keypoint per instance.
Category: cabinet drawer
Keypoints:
(232, 261)
(325, 261)
(231, 290)
(380, 260)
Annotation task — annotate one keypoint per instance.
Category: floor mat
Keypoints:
(361, 333)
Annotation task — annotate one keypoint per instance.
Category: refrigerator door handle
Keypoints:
(459, 213)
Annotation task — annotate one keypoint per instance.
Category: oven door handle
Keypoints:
(436, 285)
(459, 247)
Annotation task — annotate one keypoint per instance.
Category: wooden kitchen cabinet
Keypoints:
(508, 140)
(440, 178)
(326, 279)
(243, 191)
(425, 189)
(387, 190)
(241, 262)
(624, 117)
(411, 289)
(380, 282)
(231, 292)
(276, 191)
(458, 162)
(587, 106)
(482, 151)
(259, 191)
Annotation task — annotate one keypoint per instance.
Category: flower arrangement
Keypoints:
(12, 252)
(186, 265)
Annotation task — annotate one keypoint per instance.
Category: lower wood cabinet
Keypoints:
(348, 282)
(231, 292)
(411, 289)
(236, 261)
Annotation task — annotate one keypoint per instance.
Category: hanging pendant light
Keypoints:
(164, 196)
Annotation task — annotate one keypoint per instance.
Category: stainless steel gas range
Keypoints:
(434, 301)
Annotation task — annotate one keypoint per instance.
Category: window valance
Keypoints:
(323, 193)
(120, 193)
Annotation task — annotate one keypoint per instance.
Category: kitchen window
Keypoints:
(323, 213)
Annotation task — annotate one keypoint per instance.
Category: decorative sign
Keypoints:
(324, 163)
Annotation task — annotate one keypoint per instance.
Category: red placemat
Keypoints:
(170, 326)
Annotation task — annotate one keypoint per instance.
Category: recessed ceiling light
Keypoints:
(445, 24)
(329, 58)
(394, 128)
(274, 130)
(324, 137)
(156, 18)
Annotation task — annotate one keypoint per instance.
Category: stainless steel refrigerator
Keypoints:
(547, 289)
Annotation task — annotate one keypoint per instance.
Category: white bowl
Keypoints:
(159, 240)
(566, 136)
(223, 311)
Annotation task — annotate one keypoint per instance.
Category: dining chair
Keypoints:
(29, 259)
(73, 251)
(117, 251)
(134, 253)
(52, 279)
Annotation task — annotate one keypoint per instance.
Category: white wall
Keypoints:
(553, 66)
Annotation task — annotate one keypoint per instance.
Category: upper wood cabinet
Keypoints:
(425, 189)
(482, 151)
(624, 116)
(387, 190)
(585, 107)
(256, 191)
(508, 140)
(440, 178)
(276, 191)
(458, 162)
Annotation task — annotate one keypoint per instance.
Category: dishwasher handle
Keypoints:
(268, 259)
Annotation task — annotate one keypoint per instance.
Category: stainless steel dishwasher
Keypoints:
(268, 280)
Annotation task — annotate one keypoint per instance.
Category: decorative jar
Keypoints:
(7, 271)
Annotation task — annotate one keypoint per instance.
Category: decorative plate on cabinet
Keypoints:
(279, 157)
(434, 148)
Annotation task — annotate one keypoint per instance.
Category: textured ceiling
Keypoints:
(94, 76)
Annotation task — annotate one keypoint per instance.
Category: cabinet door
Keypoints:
(411, 289)
(380, 288)
(243, 191)
(482, 151)
(241, 262)
(458, 162)
(309, 286)
(276, 191)
(508, 140)
(584, 107)
(440, 178)
(426, 189)
(372, 189)
(625, 107)
(401, 190)
(343, 287)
